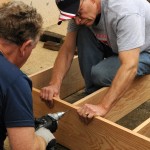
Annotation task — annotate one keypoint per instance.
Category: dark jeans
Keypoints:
(98, 64)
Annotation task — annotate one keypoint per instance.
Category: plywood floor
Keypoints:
(41, 58)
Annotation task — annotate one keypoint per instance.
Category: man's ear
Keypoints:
(25, 47)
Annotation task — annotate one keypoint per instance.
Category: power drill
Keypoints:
(49, 121)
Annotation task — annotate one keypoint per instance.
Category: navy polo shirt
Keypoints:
(16, 108)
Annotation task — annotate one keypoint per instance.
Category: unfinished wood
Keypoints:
(72, 83)
(144, 128)
(41, 58)
(4, 1)
(52, 45)
(100, 134)
(52, 36)
(47, 9)
(137, 94)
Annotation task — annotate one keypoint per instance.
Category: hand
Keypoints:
(88, 111)
(47, 136)
(47, 93)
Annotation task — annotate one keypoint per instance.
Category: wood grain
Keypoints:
(72, 83)
(100, 134)
(144, 128)
(137, 94)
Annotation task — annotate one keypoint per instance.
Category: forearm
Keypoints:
(64, 59)
(120, 84)
(61, 66)
(24, 138)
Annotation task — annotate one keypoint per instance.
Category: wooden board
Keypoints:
(72, 83)
(144, 128)
(137, 94)
(100, 134)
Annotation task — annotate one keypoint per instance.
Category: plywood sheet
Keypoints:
(47, 9)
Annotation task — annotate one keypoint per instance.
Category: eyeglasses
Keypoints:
(78, 13)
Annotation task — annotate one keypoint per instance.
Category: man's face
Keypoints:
(87, 13)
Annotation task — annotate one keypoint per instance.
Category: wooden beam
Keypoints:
(144, 128)
(72, 83)
(99, 134)
(52, 45)
(52, 36)
(137, 94)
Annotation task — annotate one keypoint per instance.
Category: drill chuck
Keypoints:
(57, 115)
(49, 121)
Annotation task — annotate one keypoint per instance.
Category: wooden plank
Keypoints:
(72, 83)
(99, 134)
(137, 94)
(144, 128)
(52, 36)
(52, 45)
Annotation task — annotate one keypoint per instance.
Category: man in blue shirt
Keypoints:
(20, 29)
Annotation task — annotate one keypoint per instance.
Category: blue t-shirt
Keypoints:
(16, 108)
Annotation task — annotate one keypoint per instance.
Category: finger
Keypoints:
(79, 111)
(87, 120)
(83, 111)
(81, 118)
(50, 103)
(44, 94)
(50, 95)
(90, 116)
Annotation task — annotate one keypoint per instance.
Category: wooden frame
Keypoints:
(72, 83)
(101, 133)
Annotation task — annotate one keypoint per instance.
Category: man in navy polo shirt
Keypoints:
(20, 29)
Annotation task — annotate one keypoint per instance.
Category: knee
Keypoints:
(100, 77)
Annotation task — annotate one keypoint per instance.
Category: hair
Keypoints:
(19, 22)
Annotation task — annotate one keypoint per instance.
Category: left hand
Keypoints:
(88, 111)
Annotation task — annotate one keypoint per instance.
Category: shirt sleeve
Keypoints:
(19, 109)
(130, 32)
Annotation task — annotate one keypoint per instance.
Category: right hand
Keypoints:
(47, 93)
(47, 136)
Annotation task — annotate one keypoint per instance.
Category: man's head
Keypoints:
(83, 11)
(68, 8)
(20, 26)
